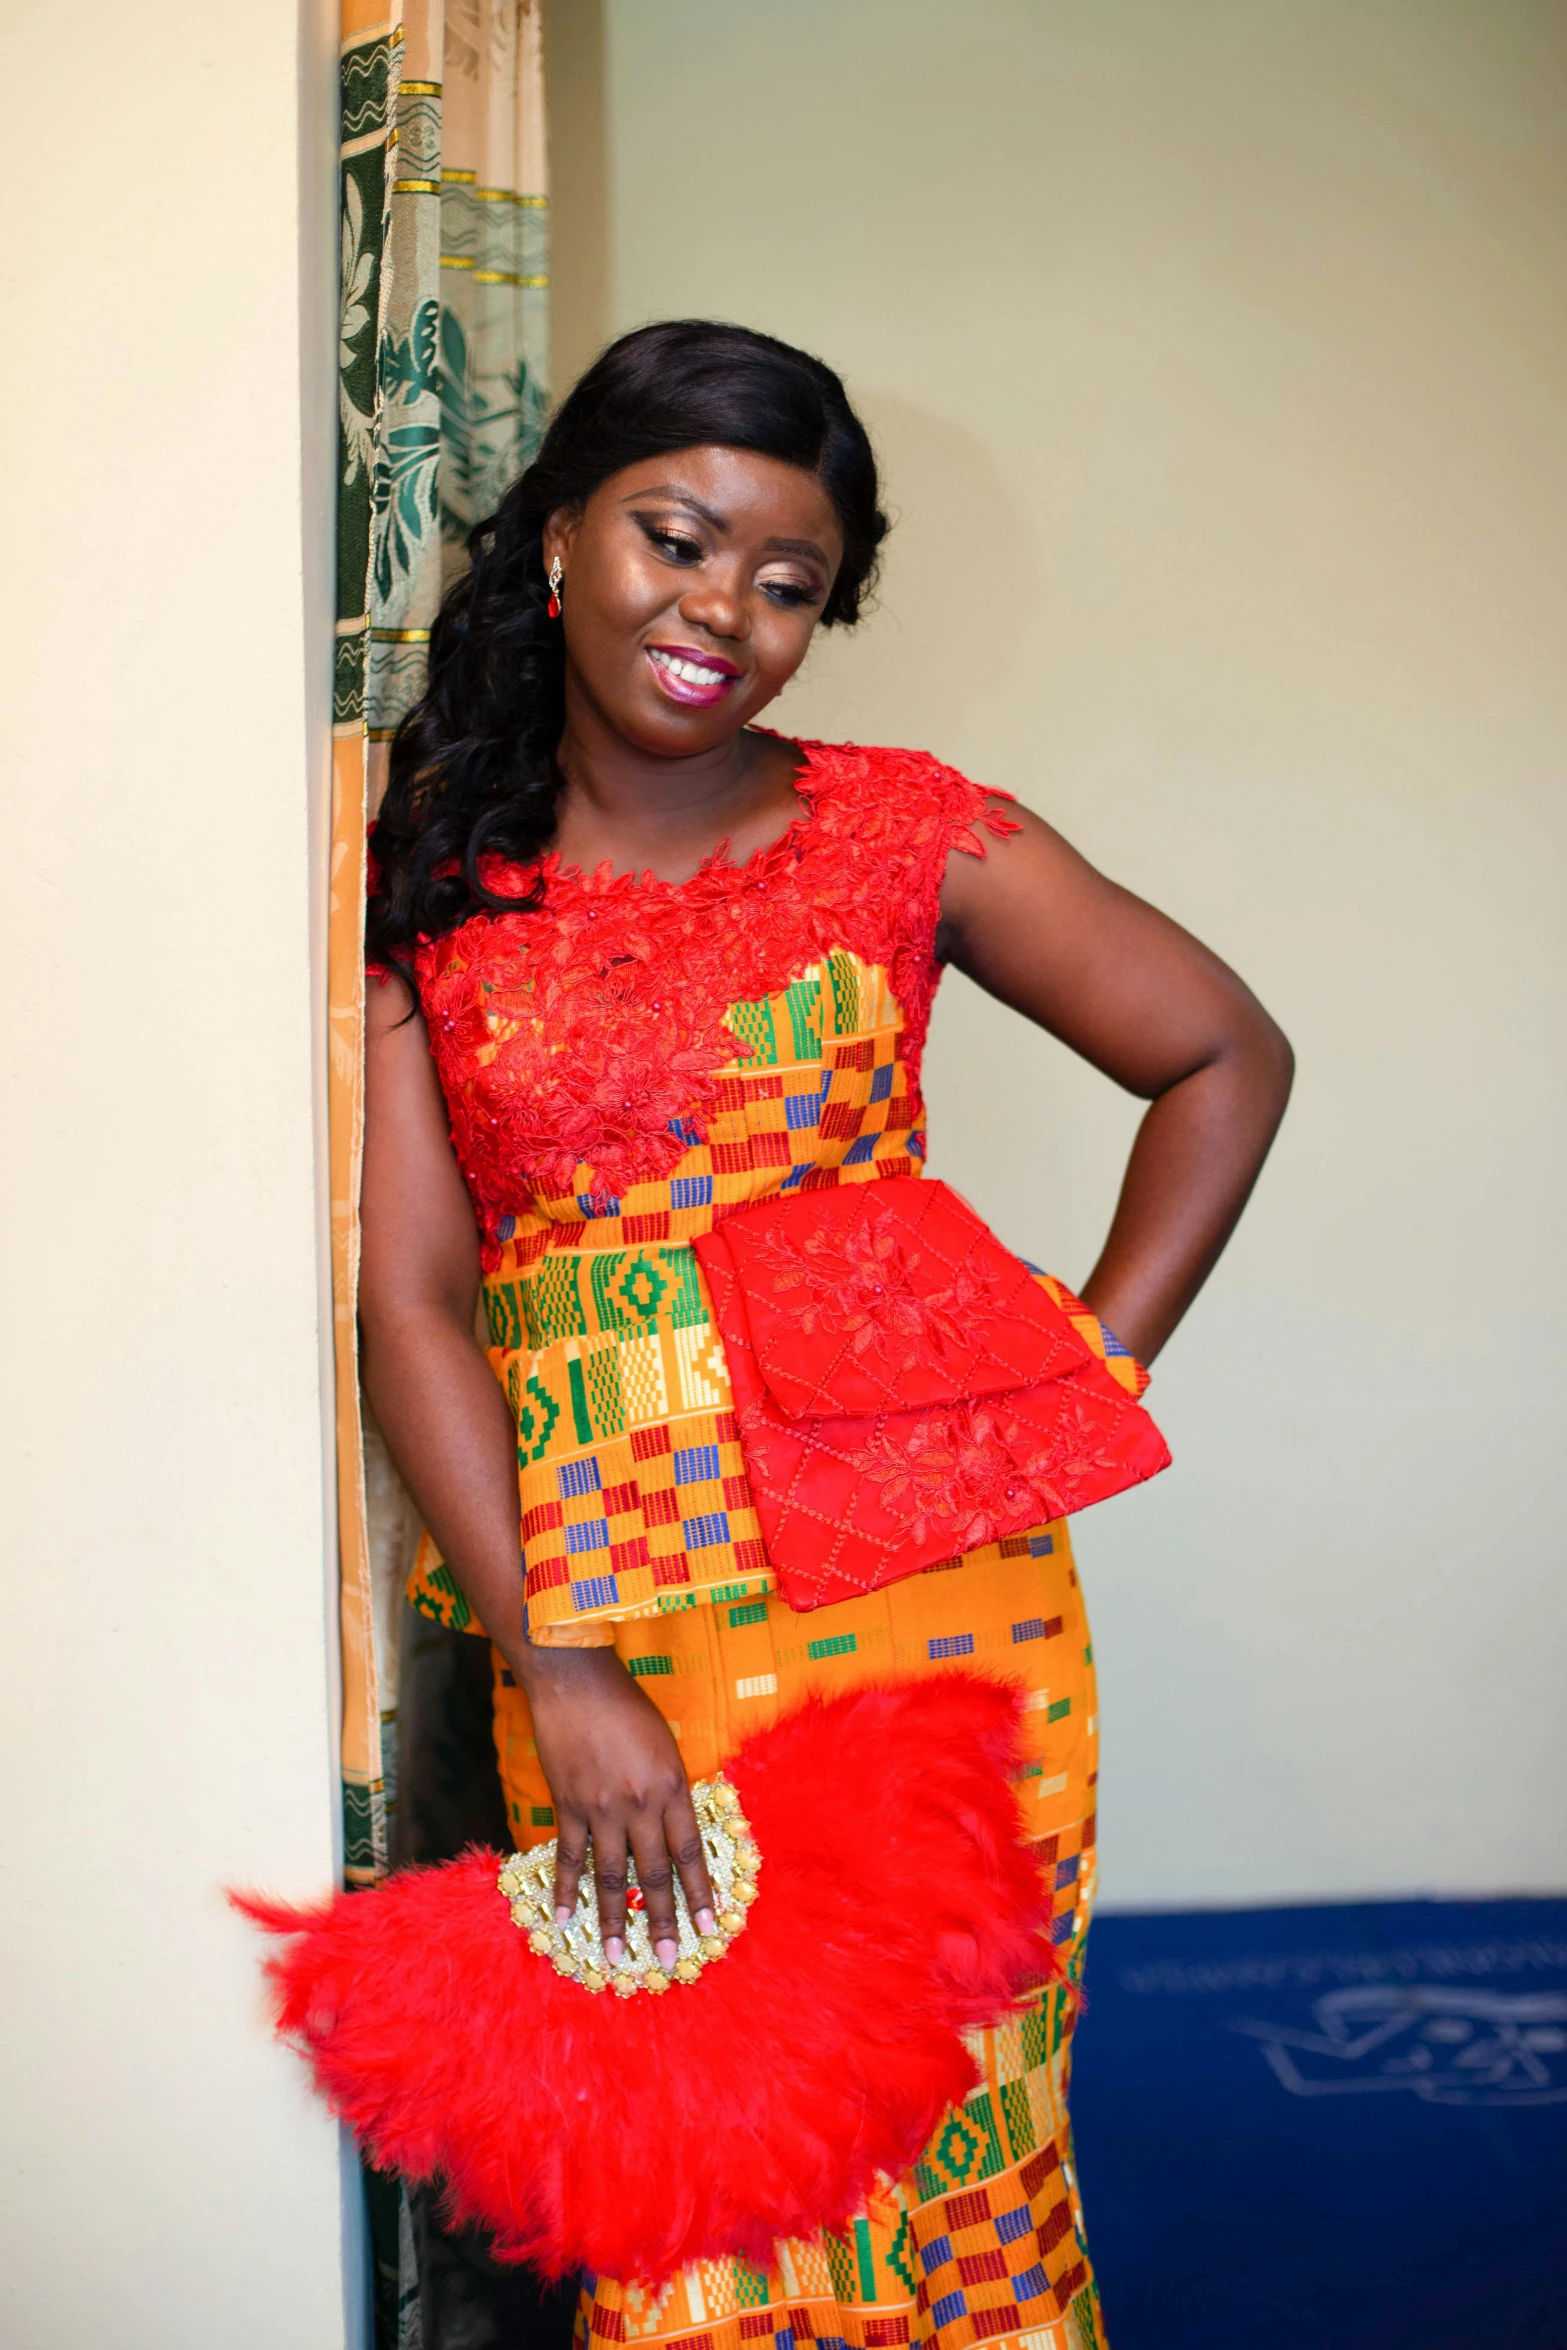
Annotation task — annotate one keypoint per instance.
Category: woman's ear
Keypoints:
(560, 530)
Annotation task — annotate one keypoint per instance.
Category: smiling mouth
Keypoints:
(685, 678)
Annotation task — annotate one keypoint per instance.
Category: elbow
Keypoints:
(1269, 1058)
(1281, 1057)
(395, 1327)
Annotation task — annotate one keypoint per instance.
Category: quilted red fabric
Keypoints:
(906, 1388)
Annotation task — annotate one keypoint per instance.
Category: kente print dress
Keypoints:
(621, 1067)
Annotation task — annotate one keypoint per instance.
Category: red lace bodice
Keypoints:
(580, 1046)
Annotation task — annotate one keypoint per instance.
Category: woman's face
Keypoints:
(690, 588)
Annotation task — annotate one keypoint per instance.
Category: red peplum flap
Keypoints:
(887, 1297)
(906, 1388)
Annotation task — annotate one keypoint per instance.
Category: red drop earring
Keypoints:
(553, 606)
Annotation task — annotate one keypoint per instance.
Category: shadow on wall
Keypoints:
(959, 594)
(959, 598)
(579, 187)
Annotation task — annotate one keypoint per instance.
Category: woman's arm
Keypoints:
(613, 1769)
(1132, 992)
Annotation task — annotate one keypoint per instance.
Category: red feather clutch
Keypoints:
(895, 1908)
(906, 1388)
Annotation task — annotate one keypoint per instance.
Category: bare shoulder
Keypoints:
(1019, 869)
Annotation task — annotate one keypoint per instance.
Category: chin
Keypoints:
(670, 733)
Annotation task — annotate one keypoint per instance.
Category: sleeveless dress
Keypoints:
(621, 1067)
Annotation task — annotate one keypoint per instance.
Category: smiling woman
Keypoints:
(645, 969)
(696, 589)
(475, 768)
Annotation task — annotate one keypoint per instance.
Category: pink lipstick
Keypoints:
(688, 676)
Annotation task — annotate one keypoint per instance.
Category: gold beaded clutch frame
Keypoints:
(577, 1949)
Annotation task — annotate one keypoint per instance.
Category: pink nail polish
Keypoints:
(704, 1921)
(563, 1917)
(614, 1951)
(666, 1953)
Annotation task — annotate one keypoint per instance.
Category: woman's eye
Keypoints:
(787, 591)
(678, 549)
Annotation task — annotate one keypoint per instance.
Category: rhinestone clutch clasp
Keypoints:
(527, 1881)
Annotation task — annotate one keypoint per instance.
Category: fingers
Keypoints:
(571, 1855)
(657, 1880)
(609, 1875)
(660, 1844)
(683, 1842)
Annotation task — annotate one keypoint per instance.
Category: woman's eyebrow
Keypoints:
(806, 547)
(679, 497)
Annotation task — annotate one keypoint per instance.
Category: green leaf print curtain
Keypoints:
(441, 397)
(441, 400)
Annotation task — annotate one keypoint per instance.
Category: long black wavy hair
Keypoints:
(473, 768)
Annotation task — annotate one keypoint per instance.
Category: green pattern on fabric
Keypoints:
(366, 78)
(981, 2109)
(552, 1302)
(751, 2286)
(606, 1399)
(581, 1418)
(1085, 2316)
(688, 1311)
(953, 2157)
(494, 269)
(627, 1288)
(841, 2265)
(803, 999)
(845, 994)
(364, 1833)
(441, 403)
(753, 1024)
(503, 1314)
(1019, 2121)
(535, 1411)
(440, 1599)
(900, 2254)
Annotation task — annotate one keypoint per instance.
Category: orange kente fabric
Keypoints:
(625, 1069)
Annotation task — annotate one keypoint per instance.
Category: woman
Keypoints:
(646, 962)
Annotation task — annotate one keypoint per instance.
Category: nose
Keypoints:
(718, 605)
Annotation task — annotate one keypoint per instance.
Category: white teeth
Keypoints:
(689, 670)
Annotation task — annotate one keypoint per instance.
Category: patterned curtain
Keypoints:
(441, 401)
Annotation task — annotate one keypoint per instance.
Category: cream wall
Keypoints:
(1218, 357)
(165, 1672)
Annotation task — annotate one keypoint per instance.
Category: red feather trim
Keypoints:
(896, 1909)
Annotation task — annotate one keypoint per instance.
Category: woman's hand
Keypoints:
(615, 1775)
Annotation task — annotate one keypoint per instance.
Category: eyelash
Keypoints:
(783, 592)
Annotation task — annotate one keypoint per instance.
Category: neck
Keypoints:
(642, 801)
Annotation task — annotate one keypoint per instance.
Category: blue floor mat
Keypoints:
(1339, 2128)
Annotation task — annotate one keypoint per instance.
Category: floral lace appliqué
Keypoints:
(579, 1046)
(965, 1474)
(859, 1285)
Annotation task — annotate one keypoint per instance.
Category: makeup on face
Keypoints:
(693, 585)
(689, 675)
